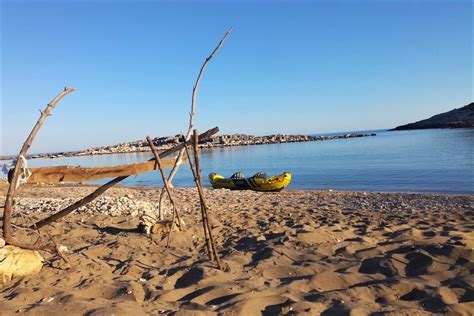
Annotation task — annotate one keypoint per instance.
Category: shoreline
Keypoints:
(295, 251)
(3, 181)
(163, 143)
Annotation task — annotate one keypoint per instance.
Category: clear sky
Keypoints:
(288, 67)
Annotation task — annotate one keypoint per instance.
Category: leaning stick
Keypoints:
(203, 214)
(198, 180)
(205, 218)
(175, 168)
(166, 184)
(58, 251)
(9, 200)
(203, 202)
(89, 198)
(196, 157)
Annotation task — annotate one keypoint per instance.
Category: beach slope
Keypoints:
(304, 252)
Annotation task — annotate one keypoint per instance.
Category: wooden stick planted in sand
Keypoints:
(7, 213)
(58, 250)
(193, 102)
(205, 218)
(89, 198)
(206, 233)
(175, 168)
(167, 187)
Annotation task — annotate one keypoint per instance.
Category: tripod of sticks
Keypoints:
(210, 243)
(181, 148)
(102, 189)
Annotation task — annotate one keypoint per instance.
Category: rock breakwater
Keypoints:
(163, 143)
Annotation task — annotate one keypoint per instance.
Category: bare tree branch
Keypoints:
(58, 251)
(167, 187)
(203, 214)
(193, 104)
(9, 200)
(205, 217)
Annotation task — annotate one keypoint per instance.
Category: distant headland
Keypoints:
(457, 118)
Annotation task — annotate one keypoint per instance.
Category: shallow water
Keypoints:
(436, 160)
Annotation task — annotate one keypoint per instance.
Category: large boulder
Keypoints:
(17, 262)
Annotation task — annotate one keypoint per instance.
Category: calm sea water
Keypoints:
(437, 160)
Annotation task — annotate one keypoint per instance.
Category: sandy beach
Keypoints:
(292, 252)
(353, 122)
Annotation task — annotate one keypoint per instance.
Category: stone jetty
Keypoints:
(163, 143)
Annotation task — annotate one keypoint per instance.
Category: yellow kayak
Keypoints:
(258, 182)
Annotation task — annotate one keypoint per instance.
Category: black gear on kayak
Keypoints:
(238, 175)
(262, 175)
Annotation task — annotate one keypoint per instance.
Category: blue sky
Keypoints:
(288, 67)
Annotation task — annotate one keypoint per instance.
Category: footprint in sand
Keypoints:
(418, 263)
(378, 265)
(337, 309)
(429, 299)
(189, 278)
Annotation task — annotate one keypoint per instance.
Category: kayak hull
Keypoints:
(270, 184)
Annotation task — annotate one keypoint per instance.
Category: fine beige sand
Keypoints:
(293, 252)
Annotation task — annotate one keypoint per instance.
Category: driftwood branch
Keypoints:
(167, 187)
(160, 204)
(9, 200)
(175, 168)
(58, 250)
(57, 174)
(205, 216)
(89, 198)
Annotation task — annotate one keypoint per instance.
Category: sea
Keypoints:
(430, 160)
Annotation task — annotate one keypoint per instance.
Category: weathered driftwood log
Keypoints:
(7, 213)
(57, 174)
(89, 198)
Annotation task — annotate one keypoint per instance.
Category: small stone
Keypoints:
(63, 249)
